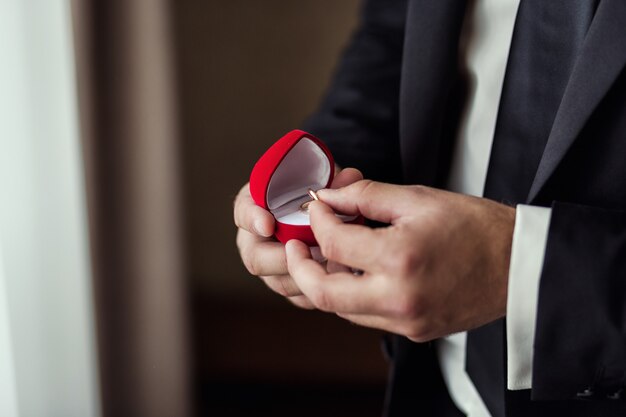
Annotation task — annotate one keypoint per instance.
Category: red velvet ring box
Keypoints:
(282, 177)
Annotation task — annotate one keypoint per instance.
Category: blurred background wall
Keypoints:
(123, 147)
(48, 359)
(248, 72)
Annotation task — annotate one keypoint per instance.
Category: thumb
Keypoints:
(374, 200)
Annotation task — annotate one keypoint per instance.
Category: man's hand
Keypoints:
(264, 256)
(440, 267)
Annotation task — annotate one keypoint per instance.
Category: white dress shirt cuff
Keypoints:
(527, 253)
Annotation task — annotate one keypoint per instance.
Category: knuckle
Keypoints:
(420, 332)
(329, 248)
(239, 241)
(407, 307)
(241, 218)
(282, 265)
(320, 300)
(285, 287)
(407, 263)
(246, 220)
(302, 302)
(419, 193)
(364, 186)
(418, 338)
(421, 190)
(250, 261)
(275, 284)
(366, 194)
(245, 241)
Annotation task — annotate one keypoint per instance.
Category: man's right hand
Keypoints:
(262, 255)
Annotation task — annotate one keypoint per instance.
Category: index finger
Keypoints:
(374, 200)
(250, 217)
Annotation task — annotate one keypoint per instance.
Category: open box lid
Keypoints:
(296, 162)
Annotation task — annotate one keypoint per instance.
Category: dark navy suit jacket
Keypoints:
(392, 111)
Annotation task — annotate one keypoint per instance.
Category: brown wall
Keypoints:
(249, 72)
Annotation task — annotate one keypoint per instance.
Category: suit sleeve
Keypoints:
(358, 118)
(580, 339)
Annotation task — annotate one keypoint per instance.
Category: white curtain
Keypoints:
(47, 334)
(8, 394)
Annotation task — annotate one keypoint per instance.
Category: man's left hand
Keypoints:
(440, 267)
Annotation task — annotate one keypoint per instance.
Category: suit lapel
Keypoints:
(602, 59)
(429, 71)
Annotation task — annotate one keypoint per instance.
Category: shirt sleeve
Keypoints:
(527, 254)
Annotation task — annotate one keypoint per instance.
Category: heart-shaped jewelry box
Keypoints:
(281, 178)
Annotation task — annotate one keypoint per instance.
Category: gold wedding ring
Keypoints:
(313, 194)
